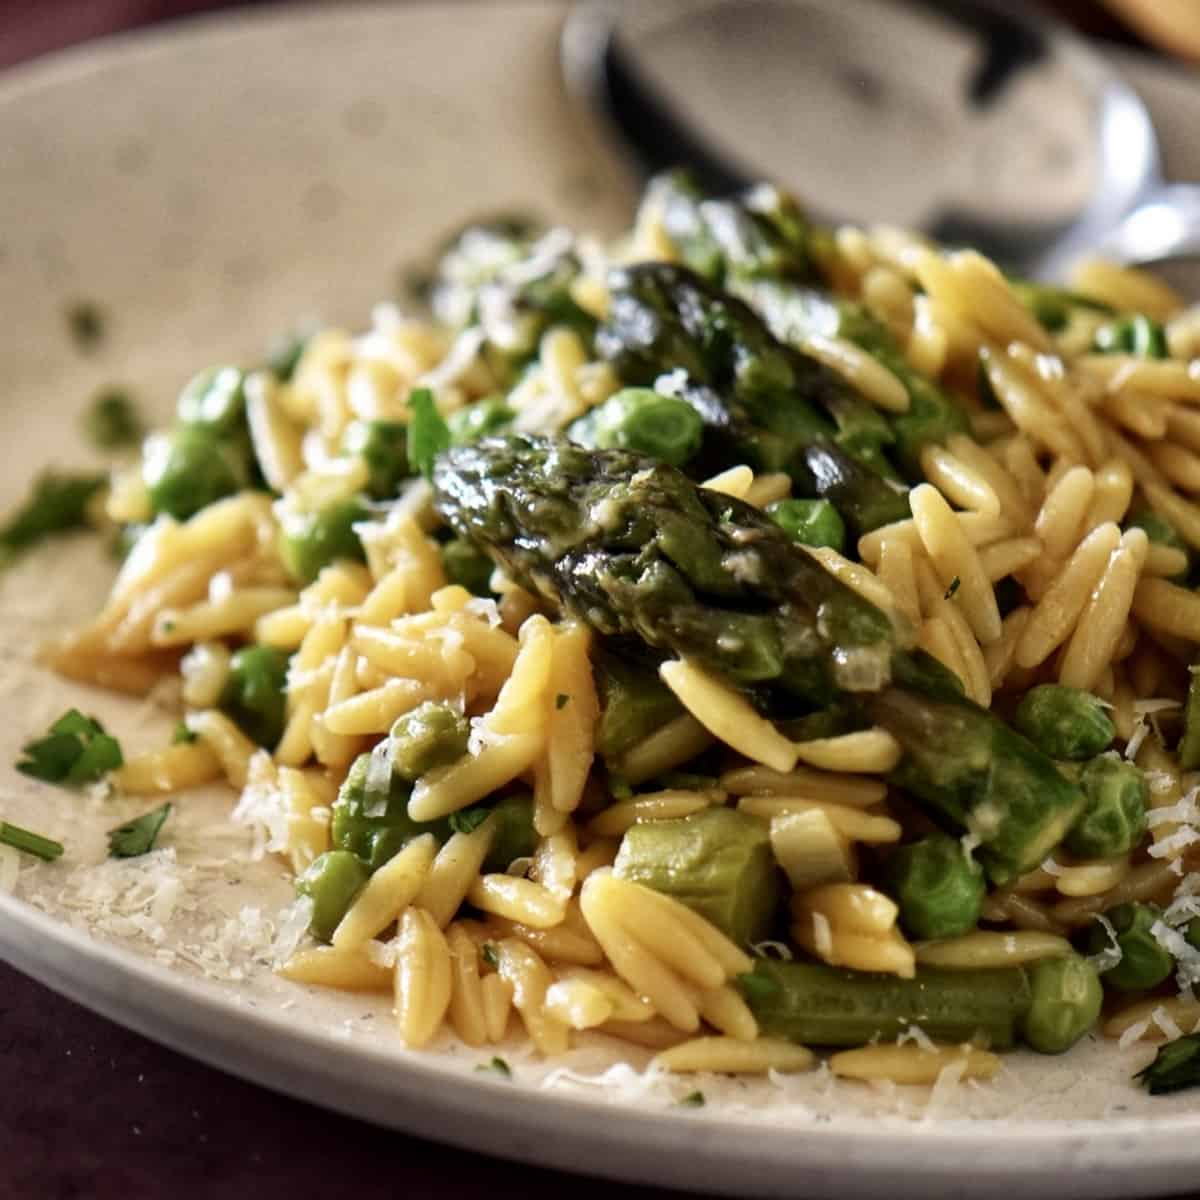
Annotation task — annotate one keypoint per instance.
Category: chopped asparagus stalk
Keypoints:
(976, 775)
(634, 702)
(718, 862)
(819, 1005)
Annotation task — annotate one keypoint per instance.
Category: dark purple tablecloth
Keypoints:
(91, 1111)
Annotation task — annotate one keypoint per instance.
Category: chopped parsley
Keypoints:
(955, 584)
(181, 734)
(757, 987)
(498, 1065)
(112, 421)
(76, 750)
(55, 504)
(467, 820)
(489, 955)
(428, 433)
(561, 701)
(32, 843)
(692, 1100)
(1176, 1066)
(137, 836)
(85, 324)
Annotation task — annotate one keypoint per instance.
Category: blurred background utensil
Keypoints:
(977, 122)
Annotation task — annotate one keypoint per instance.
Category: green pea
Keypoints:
(810, 522)
(331, 882)
(309, 541)
(1065, 999)
(432, 735)
(383, 446)
(467, 566)
(937, 885)
(1114, 819)
(1144, 963)
(1064, 722)
(479, 420)
(214, 399)
(370, 815)
(643, 420)
(255, 694)
(515, 836)
(188, 469)
(1139, 335)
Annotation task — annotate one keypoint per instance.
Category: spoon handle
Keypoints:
(1165, 224)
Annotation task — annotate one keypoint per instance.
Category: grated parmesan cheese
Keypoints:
(822, 934)
(915, 1034)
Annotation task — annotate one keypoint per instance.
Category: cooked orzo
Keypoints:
(746, 639)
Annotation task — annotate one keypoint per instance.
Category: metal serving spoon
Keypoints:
(978, 123)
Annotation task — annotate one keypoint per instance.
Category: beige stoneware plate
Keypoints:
(210, 185)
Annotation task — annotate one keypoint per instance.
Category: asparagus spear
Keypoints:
(762, 402)
(975, 774)
(759, 246)
(636, 549)
(718, 862)
(827, 1006)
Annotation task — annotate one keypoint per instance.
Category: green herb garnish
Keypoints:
(467, 820)
(76, 750)
(111, 421)
(955, 584)
(1176, 1066)
(181, 734)
(498, 1065)
(32, 843)
(561, 701)
(692, 1100)
(137, 836)
(488, 953)
(428, 433)
(55, 504)
(85, 323)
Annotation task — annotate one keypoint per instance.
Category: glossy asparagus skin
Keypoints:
(762, 403)
(974, 774)
(634, 702)
(635, 549)
(818, 1005)
(759, 246)
(718, 862)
